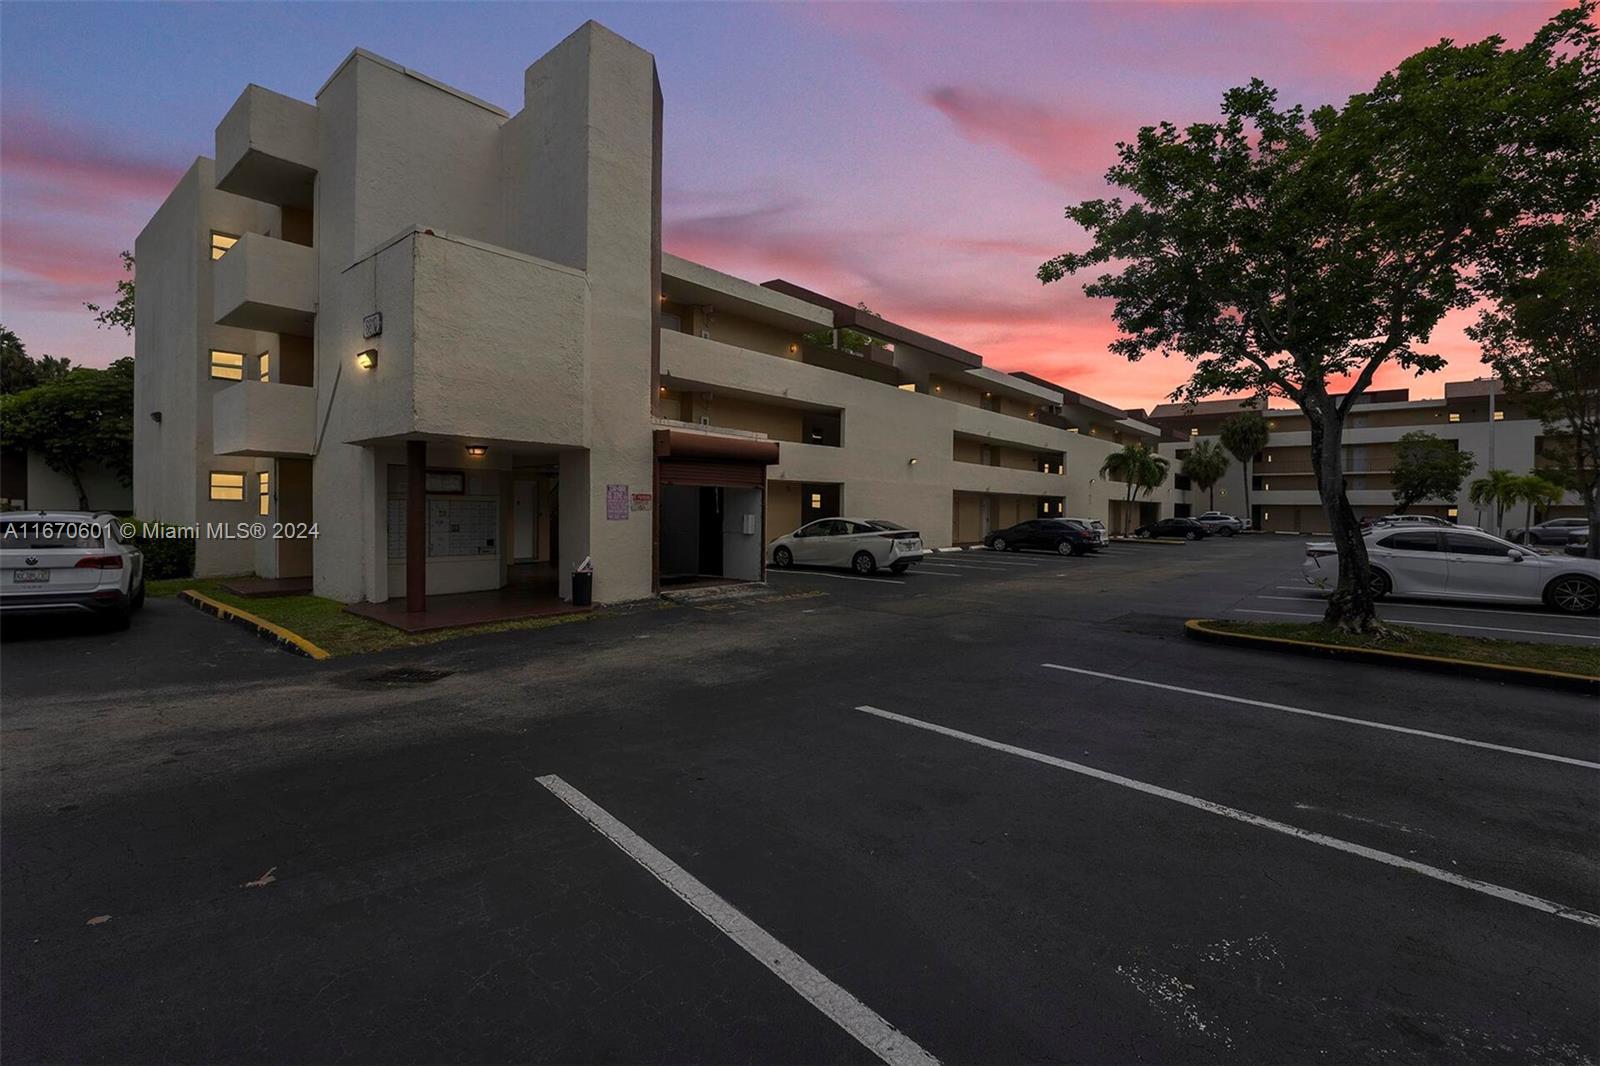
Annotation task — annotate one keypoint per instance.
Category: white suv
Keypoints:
(1096, 528)
(68, 562)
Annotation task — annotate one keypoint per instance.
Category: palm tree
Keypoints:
(1204, 465)
(1538, 493)
(1245, 434)
(1141, 469)
(1497, 489)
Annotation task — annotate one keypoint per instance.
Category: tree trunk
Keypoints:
(1211, 496)
(77, 483)
(1591, 499)
(1350, 606)
(1248, 515)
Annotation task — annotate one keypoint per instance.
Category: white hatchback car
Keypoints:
(68, 562)
(1460, 564)
(862, 544)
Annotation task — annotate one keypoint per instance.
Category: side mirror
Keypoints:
(1514, 554)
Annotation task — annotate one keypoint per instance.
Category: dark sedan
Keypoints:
(1048, 534)
(1557, 532)
(1184, 528)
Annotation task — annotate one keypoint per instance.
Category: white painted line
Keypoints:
(1488, 610)
(1368, 723)
(837, 577)
(929, 571)
(845, 1010)
(1511, 895)
(980, 561)
(1432, 625)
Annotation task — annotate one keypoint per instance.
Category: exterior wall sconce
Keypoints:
(155, 416)
(477, 450)
(911, 462)
(368, 359)
(793, 349)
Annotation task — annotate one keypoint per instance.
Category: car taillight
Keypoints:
(1318, 553)
(99, 562)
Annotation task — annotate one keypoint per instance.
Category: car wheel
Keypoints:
(998, 544)
(1064, 547)
(782, 558)
(1143, 534)
(899, 568)
(122, 617)
(1191, 535)
(1227, 531)
(138, 595)
(1573, 594)
(1378, 583)
(864, 563)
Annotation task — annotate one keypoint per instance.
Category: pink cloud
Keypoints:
(1064, 147)
(53, 152)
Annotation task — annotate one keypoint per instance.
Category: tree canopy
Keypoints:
(1205, 465)
(83, 419)
(120, 314)
(1294, 253)
(1427, 467)
(1142, 470)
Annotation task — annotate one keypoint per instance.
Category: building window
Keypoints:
(1454, 513)
(1194, 431)
(229, 366)
(263, 364)
(1455, 416)
(910, 386)
(226, 485)
(1072, 429)
(1499, 416)
(221, 242)
(816, 501)
(264, 492)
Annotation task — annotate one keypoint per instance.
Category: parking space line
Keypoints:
(1434, 625)
(837, 577)
(924, 568)
(1510, 895)
(1325, 715)
(994, 562)
(844, 1009)
(1488, 609)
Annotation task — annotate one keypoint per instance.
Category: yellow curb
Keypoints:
(293, 641)
(1524, 674)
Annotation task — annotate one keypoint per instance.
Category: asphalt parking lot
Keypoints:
(997, 810)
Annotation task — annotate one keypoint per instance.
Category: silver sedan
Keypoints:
(862, 544)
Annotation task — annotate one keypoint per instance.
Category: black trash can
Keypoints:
(582, 588)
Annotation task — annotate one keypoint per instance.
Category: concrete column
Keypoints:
(416, 525)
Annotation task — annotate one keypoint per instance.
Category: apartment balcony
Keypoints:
(264, 419)
(267, 148)
(265, 284)
(978, 477)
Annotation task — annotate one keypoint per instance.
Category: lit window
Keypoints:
(1072, 429)
(1269, 457)
(1194, 431)
(1454, 513)
(1272, 425)
(263, 363)
(264, 491)
(816, 501)
(1265, 487)
(221, 242)
(910, 386)
(228, 366)
(226, 485)
(1455, 416)
(1499, 416)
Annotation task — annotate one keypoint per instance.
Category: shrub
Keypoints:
(167, 555)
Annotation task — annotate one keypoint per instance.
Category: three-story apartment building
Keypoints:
(446, 337)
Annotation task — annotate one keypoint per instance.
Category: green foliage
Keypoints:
(1427, 467)
(1244, 435)
(120, 314)
(19, 371)
(1542, 337)
(849, 339)
(167, 555)
(1141, 469)
(1205, 465)
(1537, 493)
(1498, 489)
(86, 417)
(1285, 252)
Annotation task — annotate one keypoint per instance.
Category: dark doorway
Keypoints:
(710, 504)
(818, 500)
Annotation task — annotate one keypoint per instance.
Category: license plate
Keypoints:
(30, 577)
(912, 545)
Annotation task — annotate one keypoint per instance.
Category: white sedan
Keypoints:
(1458, 564)
(862, 544)
(68, 562)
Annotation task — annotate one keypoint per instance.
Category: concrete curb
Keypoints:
(1169, 541)
(287, 640)
(1196, 629)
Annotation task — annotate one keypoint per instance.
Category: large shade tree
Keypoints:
(1542, 337)
(82, 420)
(1298, 254)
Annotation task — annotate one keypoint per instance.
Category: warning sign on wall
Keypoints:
(616, 503)
(641, 501)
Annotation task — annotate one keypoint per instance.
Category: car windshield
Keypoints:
(35, 533)
(883, 523)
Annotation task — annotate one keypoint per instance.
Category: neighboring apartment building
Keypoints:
(1497, 429)
(27, 483)
(448, 336)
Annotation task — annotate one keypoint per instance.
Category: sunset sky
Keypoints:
(916, 157)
